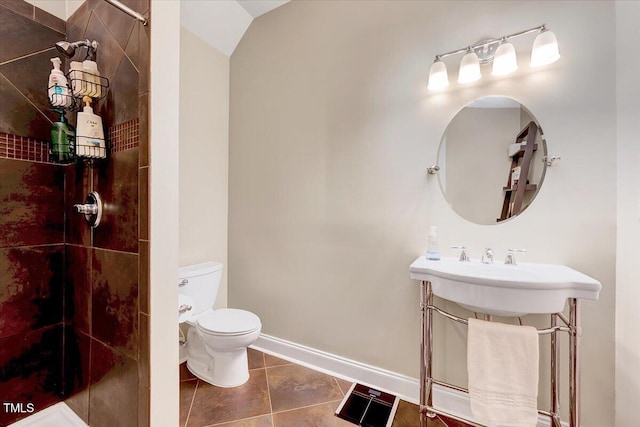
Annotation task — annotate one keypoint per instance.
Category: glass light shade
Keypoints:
(504, 61)
(438, 77)
(469, 68)
(545, 49)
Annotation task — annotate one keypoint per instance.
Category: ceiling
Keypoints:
(222, 23)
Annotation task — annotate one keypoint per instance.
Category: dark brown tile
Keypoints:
(143, 350)
(187, 391)
(79, 183)
(407, 415)
(116, 180)
(214, 405)
(31, 295)
(32, 85)
(143, 110)
(344, 385)
(442, 421)
(78, 287)
(18, 116)
(256, 359)
(31, 203)
(132, 50)
(143, 189)
(51, 21)
(109, 52)
(124, 96)
(23, 36)
(185, 373)
(19, 6)
(317, 415)
(294, 386)
(76, 371)
(143, 276)
(144, 62)
(144, 407)
(270, 361)
(114, 300)
(113, 396)
(118, 23)
(31, 369)
(77, 22)
(261, 421)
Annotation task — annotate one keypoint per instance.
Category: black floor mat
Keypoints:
(368, 407)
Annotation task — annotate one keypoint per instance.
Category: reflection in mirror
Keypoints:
(486, 152)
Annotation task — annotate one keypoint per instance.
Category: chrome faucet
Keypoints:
(464, 257)
(487, 256)
(511, 258)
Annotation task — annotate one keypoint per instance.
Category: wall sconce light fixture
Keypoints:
(499, 51)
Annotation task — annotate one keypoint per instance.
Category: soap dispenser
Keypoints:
(433, 253)
(58, 89)
(90, 134)
(62, 135)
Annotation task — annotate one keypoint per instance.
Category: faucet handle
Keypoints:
(511, 258)
(463, 254)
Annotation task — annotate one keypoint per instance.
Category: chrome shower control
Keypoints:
(91, 209)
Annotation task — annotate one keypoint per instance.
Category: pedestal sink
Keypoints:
(503, 289)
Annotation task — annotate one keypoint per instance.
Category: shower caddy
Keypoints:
(81, 84)
(572, 326)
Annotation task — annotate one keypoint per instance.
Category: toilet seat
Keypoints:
(228, 322)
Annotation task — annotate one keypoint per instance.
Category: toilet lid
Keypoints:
(229, 321)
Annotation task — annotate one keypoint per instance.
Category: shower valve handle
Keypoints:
(87, 209)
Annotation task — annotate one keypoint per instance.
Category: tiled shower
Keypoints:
(74, 312)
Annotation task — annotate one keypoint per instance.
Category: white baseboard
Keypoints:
(57, 415)
(407, 388)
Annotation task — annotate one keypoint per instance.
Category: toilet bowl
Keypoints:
(217, 340)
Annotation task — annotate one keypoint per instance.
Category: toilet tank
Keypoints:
(200, 282)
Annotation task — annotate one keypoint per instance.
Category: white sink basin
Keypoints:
(505, 290)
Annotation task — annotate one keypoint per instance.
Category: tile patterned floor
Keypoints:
(278, 394)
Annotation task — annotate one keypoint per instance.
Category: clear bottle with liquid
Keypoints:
(433, 252)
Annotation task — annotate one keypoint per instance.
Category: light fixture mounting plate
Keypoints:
(486, 50)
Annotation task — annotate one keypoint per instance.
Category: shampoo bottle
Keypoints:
(78, 84)
(58, 89)
(90, 135)
(92, 78)
(433, 253)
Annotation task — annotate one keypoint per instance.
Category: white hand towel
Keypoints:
(502, 362)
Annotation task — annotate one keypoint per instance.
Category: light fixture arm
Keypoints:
(487, 42)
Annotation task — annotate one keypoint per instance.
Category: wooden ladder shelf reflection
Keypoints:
(514, 191)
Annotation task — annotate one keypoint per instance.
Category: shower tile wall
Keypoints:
(110, 313)
(31, 283)
(57, 276)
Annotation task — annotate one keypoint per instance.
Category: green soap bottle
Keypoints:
(61, 134)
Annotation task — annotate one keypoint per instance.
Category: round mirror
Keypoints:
(490, 160)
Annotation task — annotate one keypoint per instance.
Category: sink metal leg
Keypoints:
(574, 362)
(426, 352)
(555, 375)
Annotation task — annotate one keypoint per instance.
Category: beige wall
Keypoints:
(204, 153)
(331, 131)
(628, 254)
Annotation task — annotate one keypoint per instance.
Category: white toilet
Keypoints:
(217, 340)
